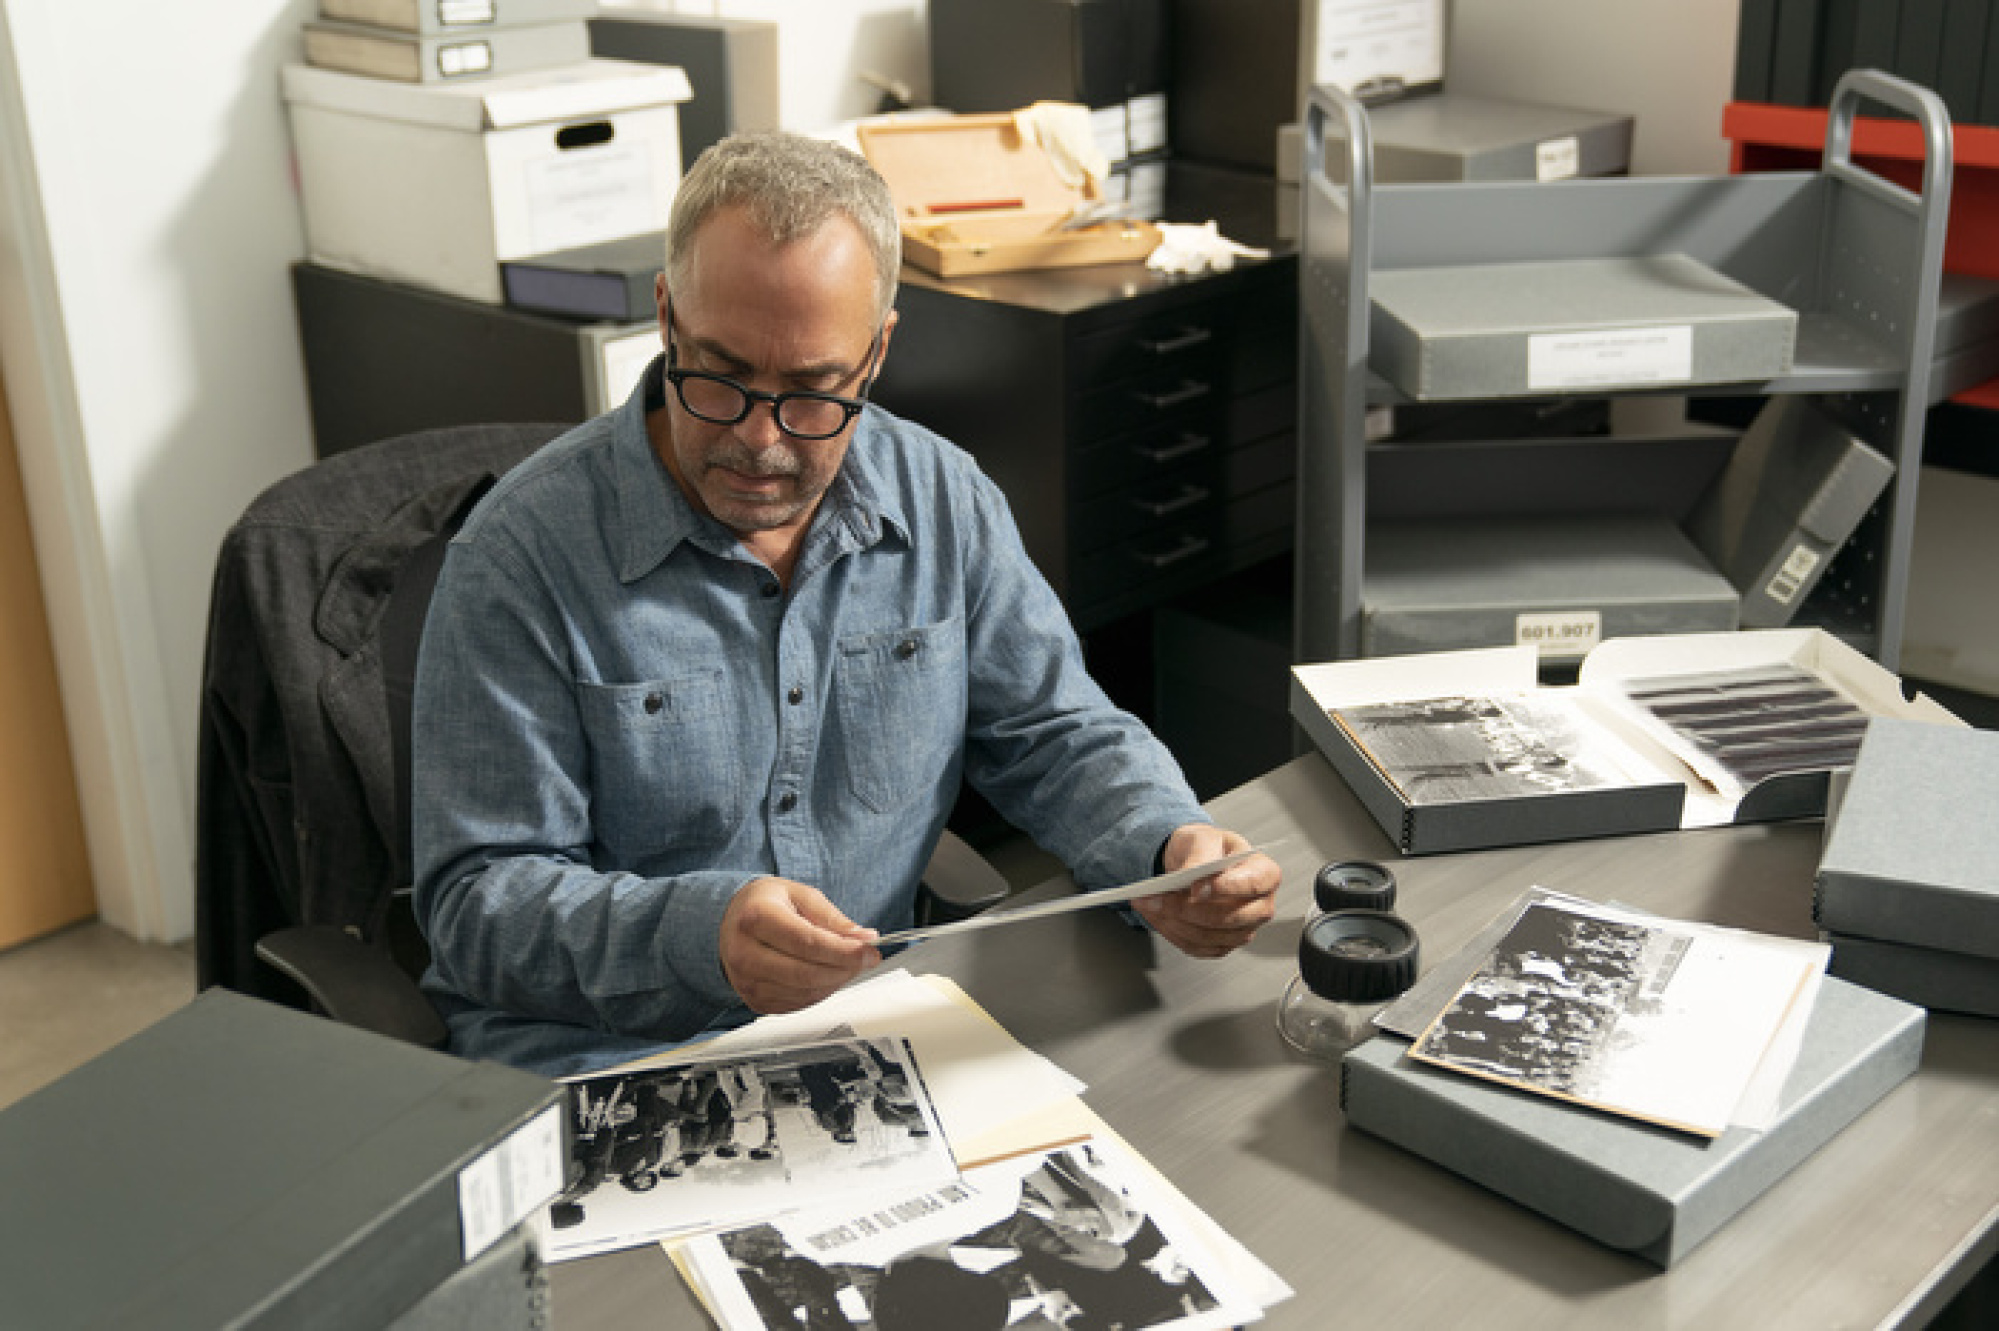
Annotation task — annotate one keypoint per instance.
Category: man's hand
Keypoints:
(1217, 915)
(785, 946)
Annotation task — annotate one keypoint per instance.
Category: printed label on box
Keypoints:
(1145, 122)
(461, 58)
(1797, 568)
(1559, 633)
(459, 13)
(1597, 358)
(499, 1189)
(582, 197)
(1557, 159)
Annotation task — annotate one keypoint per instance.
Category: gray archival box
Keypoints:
(1938, 980)
(1794, 489)
(1572, 325)
(1912, 853)
(1439, 584)
(241, 1164)
(1632, 1186)
(1452, 136)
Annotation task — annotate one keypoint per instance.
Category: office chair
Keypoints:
(303, 864)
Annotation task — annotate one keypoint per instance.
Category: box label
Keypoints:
(586, 195)
(460, 13)
(1559, 633)
(462, 58)
(1601, 357)
(1145, 121)
(499, 1189)
(1797, 567)
(1557, 159)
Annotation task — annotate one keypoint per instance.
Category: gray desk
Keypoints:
(1881, 1227)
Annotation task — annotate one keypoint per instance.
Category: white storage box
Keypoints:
(435, 185)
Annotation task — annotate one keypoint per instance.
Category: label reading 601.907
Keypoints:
(1559, 633)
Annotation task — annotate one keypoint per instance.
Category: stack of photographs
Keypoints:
(1739, 727)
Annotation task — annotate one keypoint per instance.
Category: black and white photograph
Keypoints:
(669, 1150)
(1447, 750)
(1739, 727)
(1657, 1021)
(1068, 1237)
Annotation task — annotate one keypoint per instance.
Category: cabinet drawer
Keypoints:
(1147, 454)
(1161, 343)
(1147, 506)
(1143, 455)
(1219, 537)
(1149, 401)
(1216, 477)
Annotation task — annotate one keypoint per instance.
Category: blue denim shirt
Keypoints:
(621, 719)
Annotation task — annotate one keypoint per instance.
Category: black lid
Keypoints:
(1354, 885)
(1357, 956)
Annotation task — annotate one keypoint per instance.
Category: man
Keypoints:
(701, 678)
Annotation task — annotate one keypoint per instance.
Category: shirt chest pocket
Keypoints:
(666, 765)
(902, 709)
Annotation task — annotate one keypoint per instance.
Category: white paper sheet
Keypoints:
(1105, 896)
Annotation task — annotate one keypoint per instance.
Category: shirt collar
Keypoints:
(654, 516)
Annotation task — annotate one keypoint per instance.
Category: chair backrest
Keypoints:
(317, 610)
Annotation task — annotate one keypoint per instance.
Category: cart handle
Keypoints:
(1919, 104)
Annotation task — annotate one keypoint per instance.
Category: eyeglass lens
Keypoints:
(725, 402)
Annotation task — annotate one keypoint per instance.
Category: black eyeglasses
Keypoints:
(720, 400)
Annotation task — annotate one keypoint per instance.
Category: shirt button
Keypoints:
(787, 802)
(905, 649)
(653, 704)
(796, 696)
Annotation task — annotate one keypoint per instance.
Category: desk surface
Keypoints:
(1182, 1058)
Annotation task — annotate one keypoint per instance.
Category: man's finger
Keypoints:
(807, 927)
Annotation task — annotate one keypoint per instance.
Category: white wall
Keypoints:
(1670, 63)
(147, 336)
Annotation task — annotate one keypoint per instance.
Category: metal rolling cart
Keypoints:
(1857, 257)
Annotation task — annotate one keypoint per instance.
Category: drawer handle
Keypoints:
(1180, 341)
(1185, 446)
(1186, 548)
(1190, 390)
(1188, 497)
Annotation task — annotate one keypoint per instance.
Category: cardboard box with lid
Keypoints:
(436, 185)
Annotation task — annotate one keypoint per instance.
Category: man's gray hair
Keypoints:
(790, 186)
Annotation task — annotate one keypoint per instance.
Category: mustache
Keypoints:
(769, 462)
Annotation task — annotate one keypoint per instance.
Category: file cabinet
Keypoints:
(1143, 427)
